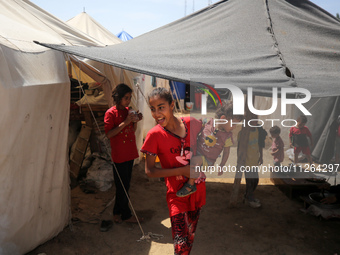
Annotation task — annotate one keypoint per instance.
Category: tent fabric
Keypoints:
(34, 179)
(263, 44)
(85, 72)
(34, 101)
(85, 23)
(117, 75)
(322, 123)
(124, 36)
(25, 20)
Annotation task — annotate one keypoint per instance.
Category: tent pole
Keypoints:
(177, 97)
(241, 155)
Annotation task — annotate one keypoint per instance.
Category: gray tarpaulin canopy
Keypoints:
(257, 43)
(246, 43)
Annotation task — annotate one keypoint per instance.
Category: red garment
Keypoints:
(216, 141)
(300, 131)
(183, 226)
(167, 146)
(299, 136)
(123, 145)
(278, 144)
(305, 150)
(338, 131)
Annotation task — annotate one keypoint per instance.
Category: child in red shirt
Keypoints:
(120, 127)
(277, 145)
(170, 141)
(212, 140)
(298, 139)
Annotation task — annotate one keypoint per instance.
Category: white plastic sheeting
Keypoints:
(34, 102)
(34, 179)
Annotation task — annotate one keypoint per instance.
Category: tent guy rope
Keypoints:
(149, 235)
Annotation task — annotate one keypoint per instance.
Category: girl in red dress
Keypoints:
(120, 127)
(170, 141)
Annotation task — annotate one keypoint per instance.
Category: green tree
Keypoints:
(338, 16)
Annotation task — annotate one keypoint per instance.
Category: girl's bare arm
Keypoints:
(152, 171)
(113, 132)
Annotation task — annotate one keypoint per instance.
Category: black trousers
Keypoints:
(121, 206)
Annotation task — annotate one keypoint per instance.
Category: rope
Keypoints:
(140, 90)
(150, 235)
(314, 104)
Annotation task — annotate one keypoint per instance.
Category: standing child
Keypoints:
(298, 139)
(256, 143)
(212, 140)
(120, 127)
(170, 141)
(277, 145)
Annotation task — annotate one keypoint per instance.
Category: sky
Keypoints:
(137, 17)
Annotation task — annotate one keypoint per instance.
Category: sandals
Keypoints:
(184, 191)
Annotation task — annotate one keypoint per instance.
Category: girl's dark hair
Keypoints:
(275, 130)
(119, 92)
(226, 109)
(162, 93)
(303, 119)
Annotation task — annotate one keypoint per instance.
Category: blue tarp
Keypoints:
(124, 36)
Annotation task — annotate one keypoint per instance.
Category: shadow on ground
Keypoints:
(278, 227)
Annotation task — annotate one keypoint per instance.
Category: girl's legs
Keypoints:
(296, 158)
(252, 180)
(297, 151)
(121, 206)
(309, 158)
(183, 227)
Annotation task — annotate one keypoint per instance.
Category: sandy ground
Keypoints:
(278, 227)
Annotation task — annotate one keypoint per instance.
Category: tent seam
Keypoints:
(270, 29)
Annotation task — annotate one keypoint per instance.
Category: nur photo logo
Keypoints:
(302, 96)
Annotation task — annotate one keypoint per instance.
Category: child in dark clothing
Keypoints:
(256, 143)
(298, 139)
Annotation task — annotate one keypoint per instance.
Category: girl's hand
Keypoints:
(186, 171)
(129, 118)
(190, 171)
(140, 116)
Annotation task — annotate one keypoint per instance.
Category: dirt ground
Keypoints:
(278, 227)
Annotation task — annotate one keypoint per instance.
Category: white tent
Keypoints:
(115, 75)
(34, 99)
(85, 23)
